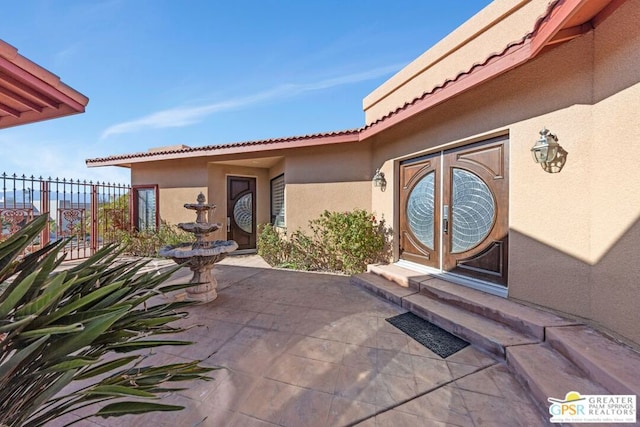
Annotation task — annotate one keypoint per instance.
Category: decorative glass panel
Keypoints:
(277, 201)
(420, 210)
(243, 213)
(473, 211)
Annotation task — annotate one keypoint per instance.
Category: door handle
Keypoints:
(445, 219)
(228, 224)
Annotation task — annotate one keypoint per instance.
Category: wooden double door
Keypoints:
(454, 210)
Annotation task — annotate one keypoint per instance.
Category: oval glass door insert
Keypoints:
(243, 213)
(420, 210)
(473, 211)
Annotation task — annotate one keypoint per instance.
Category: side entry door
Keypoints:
(241, 211)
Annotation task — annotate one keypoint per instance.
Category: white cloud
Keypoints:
(65, 56)
(185, 116)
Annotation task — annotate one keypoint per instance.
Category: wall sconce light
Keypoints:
(379, 180)
(548, 153)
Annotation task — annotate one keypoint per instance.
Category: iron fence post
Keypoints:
(44, 210)
(94, 219)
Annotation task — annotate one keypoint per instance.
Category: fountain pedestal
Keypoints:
(201, 255)
(206, 285)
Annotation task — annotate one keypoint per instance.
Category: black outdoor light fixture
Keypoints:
(379, 180)
(548, 153)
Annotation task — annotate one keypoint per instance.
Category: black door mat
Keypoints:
(429, 335)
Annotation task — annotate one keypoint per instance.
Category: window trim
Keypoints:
(273, 217)
(134, 205)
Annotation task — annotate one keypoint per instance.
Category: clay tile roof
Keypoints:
(349, 135)
(560, 23)
(448, 82)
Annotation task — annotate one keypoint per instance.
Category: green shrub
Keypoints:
(338, 242)
(349, 240)
(57, 327)
(146, 243)
(271, 244)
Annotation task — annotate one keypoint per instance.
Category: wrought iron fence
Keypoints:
(86, 214)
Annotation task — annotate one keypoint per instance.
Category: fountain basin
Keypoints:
(200, 206)
(216, 250)
(199, 228)
(200, 260)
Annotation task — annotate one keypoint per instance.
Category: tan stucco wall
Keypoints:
(313, 198)
(615, 175)
(597, 202)
(335, 178)
(488, 32)
(574, 235)
(179, 182)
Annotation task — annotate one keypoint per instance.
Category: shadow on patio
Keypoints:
(308, 349)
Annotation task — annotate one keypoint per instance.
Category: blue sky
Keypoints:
(200, 72)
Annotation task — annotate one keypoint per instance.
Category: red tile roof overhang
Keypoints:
(30, 93)
(564, 21)
(262, 146)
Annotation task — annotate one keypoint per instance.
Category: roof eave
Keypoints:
(551, 29)
(54, 98)
(225, 150)
(511, 59)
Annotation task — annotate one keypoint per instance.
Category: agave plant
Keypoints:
(86, 323)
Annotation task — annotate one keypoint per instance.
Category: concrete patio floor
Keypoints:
(306, 349)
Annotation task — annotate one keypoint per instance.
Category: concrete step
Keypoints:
(517, 316)
(529, 321)
(546, 373)
(399, 275)
(550, 355)
(613, 365)
(382, 287)
(489, 335)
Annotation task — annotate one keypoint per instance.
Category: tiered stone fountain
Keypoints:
(201, 255)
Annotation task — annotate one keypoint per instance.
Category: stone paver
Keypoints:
(307, 349)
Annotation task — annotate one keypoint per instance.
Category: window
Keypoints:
(145, 208)
(277, 201)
